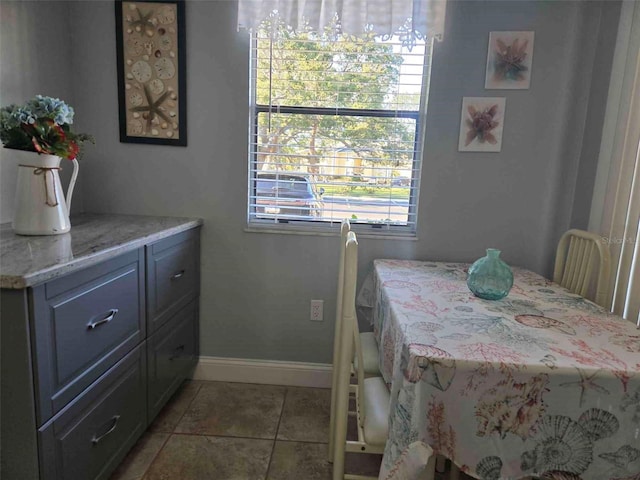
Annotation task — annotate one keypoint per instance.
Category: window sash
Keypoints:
(377, 178)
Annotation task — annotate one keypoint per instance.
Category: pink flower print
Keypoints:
(480, 124)
(443, 434)
(597, 325)
(417, 303)
(509, 60)
(490, 352)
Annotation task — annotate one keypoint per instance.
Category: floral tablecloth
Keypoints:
(542, 383)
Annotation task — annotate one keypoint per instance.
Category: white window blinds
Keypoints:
(620, 209)
(336, 128)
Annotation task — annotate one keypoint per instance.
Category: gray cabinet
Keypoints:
(83, 324)
(171, 351)
(89, 358)
(91, 435)
(173, 276)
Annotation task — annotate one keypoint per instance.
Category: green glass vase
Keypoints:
(489, 277)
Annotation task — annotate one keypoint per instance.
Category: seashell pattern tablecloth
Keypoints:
(541, 384)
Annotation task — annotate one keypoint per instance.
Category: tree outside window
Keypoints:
(344, 115)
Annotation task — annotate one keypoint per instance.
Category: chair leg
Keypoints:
(430, 469)
(332, 419)
(340, 432)
(455, 472)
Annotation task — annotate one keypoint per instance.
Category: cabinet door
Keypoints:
(173, 276)
(83, 324)
(172, 353)
(90, 436)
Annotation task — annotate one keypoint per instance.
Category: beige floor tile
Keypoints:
(171, 414)
(296, 461)
(234, 409)
(196, 457)
(308, 461)
(305, 416)
(140, 457)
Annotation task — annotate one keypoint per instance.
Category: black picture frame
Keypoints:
(143, 92)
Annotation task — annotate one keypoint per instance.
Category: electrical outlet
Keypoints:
(316, 310)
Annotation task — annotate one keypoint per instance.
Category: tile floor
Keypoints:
(236, 431)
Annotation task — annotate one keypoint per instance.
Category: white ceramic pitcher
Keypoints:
(40, 205)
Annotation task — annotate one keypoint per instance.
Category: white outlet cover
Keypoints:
(316, 313)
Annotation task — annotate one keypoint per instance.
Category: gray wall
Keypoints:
(35, 50)
(257, 286)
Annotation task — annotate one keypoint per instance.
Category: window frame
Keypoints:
(305, 226)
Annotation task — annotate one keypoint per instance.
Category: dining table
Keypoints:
(542, 384)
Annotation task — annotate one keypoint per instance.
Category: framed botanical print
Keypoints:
(481, 124)
(151, 52)
(509, 60)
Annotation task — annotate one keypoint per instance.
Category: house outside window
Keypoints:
(336, 130)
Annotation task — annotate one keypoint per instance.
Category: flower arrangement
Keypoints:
(41, 125)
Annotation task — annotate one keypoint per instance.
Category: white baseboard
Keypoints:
(270, 372)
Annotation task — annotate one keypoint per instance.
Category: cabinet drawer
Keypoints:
(173, 276)
(90, 436)
(172, 352)
(83, 324)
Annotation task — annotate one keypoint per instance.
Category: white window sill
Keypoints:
(325, 231)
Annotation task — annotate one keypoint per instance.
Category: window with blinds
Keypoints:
(336, 130)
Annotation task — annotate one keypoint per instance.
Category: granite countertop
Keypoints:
(30, 260)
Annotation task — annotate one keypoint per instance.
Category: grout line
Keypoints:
(186, 409)
(171, 433)
(166, 440)
(275, 438)
(167, 433)
(261, 384)
(219, 435)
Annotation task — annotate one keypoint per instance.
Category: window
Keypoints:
(336, 130)
(616, 202)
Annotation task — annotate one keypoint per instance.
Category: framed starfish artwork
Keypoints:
(151, 51)
(509, 60)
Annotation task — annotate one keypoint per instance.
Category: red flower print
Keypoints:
(490, 352)
(480, 124)
(444, 437)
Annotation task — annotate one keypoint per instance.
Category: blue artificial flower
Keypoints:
(24, 115)
(52, 108)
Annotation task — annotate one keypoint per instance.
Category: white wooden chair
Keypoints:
(372, 397)
(579, 256)
(366, 342)
(371, 394)
(369, 348)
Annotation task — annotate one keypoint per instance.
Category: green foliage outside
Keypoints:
(374, 191)
(310, 71)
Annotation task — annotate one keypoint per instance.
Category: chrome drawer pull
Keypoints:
(108, 318)
(114, 423)
(176, 276)
(176, 353)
